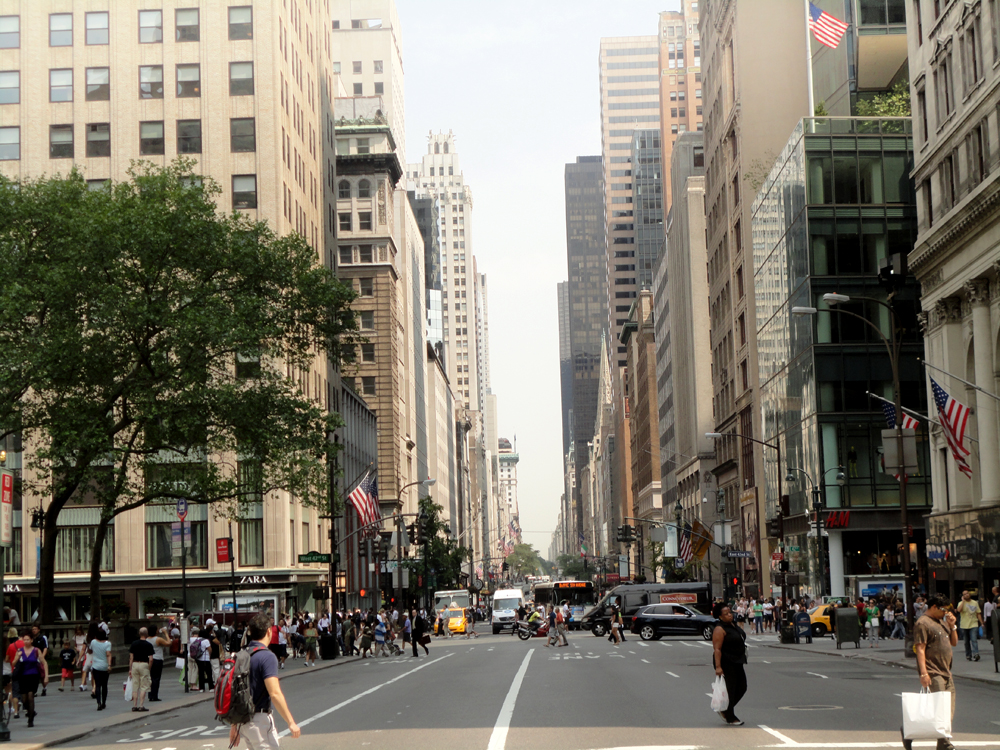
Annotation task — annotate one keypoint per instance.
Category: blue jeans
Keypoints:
(758, 623)
(899, 628)
(971, 637)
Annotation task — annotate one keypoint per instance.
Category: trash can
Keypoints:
(328, 647)
(848, 627)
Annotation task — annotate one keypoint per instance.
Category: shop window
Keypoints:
(161, 553)
(74, 547)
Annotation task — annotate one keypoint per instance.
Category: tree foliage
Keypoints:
(152, 348)
(893, 103)
(572, 567)
(445, 557)
(524, 561)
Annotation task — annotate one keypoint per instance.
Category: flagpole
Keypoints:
(809, 63)
(985, 392)
(917, 414)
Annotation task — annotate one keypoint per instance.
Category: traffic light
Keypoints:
(376, 546)
(621, 534)
(734, 581)
(774, 527)
(505, 566)
(626, 534)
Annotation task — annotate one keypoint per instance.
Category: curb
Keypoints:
(183, 702)
(872, 658)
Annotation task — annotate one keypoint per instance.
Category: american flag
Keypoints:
(954, 418)
(364, 498)
(684, 544)
(909, 423)
(479, 571)
(827, 29)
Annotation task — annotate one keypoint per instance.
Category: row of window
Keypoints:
(188, 77)
(152, 139)
(187, 27)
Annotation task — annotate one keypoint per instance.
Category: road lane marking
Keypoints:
(644, 645)
(687, 644)
(498, 740)
(351, 700)
(703, 643)
(817, 674)
(775, 733)
(646, 661)
(674, 675)
(664, 643)
(765, 661)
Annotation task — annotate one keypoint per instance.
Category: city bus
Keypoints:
(578, 594)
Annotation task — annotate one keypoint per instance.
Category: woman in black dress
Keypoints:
(730, 654)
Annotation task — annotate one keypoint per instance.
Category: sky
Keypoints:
(518, 85)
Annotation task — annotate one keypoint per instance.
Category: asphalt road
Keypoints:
(499, 692)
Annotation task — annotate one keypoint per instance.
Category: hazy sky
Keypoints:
(517, 83)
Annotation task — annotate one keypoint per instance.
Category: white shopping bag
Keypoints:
(128, 690)
(720, 696)
(926, 715)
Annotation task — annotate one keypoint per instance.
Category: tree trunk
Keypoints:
(47, 569)
(95, 568)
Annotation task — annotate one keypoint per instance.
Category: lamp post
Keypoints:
(776, 446)
(399, 538)
(892, 347)
(817, 508)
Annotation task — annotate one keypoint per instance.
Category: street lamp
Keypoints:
(892, 347)
(399, 538)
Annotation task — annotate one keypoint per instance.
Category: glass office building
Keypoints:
(836, 203)
(647, 197)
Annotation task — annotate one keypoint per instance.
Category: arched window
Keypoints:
(437, 148)
(364, 189)
(446, 147)
(344, 189)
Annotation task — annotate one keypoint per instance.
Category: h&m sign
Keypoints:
(838, 519)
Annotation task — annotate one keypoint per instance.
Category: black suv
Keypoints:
(657, 620)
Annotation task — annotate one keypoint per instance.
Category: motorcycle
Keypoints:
(537, 629)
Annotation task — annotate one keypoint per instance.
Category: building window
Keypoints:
(241, 22)
(942, 84)
(346, 252)
(61, 85)
(994, 30)
(162, 553)
(378, 66)
(358, 89)
(925, 191)
(364, 221)
(151, 138)
(922, 113)
(379, 88)
(251, 546)
(10, 144)
(98, 84)
(948, 181)
(244, 191)
(365, 254)
(242, 134)
(345, 222)
(343, 190)
(187, 25)
(151, 82)
(74, 547)
(97, 27)
(60, 141)
(241, 79)
(189, 136)
(973, 63)
(368, 385)
(364, 189)
(61, 30)
(188, 80)
(150, 26)
(10, 32)
(367, 320)
(356, 67)
(699, 156)
(363, 146)
(10, 87)
(367, 287)
(99, 139)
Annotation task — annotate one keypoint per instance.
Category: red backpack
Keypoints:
(233, 698)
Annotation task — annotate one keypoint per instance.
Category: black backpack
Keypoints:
(235, 641)
(233, 697)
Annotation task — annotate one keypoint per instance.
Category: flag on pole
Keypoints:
(827, 29)
(364, 498)
(701, 539)
(954, 418)
(909, 423)
(684, 548)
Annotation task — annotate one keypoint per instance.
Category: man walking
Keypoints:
(140, 664)
(971, 617)
(260, 732)
(934, 636)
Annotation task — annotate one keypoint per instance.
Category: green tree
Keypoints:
(445, 558)
(151, 349)
(572, 567)
(893, 103)
(524, 561)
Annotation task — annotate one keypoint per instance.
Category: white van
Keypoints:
(505, 604)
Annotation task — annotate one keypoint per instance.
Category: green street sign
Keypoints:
(315, 557)
(794, 549)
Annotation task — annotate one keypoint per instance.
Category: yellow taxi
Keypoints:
(456, 620)
(819, 617)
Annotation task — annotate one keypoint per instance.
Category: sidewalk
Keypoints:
(891, 652)
(66, 716)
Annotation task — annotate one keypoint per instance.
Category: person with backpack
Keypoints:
(249, 690)
(198, 651)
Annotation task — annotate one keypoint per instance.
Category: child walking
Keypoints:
(67, 660)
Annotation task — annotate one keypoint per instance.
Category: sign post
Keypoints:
(6, 540)
(182, 511)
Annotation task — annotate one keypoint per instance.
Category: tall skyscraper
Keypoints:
(586, 251)
(630, 99)
(565, 361)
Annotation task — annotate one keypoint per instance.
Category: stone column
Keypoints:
(947, 313)
(836, 551)
(986, 406)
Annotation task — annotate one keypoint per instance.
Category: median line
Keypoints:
(498, 740)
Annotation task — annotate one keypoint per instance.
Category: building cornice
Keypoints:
(971, 218)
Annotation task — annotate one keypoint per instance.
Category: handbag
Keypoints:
(425, 639)
(926, 715)
(720, 695)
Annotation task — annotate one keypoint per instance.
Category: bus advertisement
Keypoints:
(579, 595)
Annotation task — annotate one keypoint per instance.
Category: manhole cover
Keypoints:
(810, 708)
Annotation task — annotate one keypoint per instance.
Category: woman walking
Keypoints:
(616, 625)
(312, 638)
(871, 617)
(100, 669)
(730, 654)
(34, 669)
(161, 647)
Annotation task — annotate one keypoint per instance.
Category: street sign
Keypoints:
(731, 553)
(794, 549)
(6, 509)
(315, 557)
(182, 508)
(777, 556)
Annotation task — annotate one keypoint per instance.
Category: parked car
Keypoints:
(820, 619)
(657, 620)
